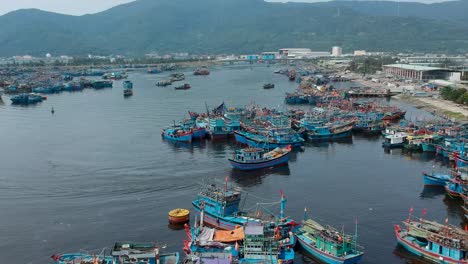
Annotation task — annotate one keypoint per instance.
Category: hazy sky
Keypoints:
(80, 7)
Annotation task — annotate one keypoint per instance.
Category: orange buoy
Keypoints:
(179, 216)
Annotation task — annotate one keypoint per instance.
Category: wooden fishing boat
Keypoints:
(327, 244)
(257, 158)
(268, 86)
(433, 241)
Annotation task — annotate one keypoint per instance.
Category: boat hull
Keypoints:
(431, 180)
(426, 147)
(178, 138)
(315, 137)
(240, 138)
(260, 165)
(392, 146)
(324, 257)
(419, 251)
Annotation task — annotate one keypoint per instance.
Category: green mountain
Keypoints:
(237, 26)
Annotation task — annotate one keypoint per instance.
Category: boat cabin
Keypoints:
(249, 155)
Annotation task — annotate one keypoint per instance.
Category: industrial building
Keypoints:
(301, 53)
(337, 51)
(423, 73)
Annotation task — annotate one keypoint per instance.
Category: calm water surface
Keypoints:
(98, 171)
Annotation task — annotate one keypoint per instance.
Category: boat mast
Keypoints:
(305, 214)
(283, 204)
(355, 236)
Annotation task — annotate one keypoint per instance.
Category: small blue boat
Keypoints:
(177, 134)
(436, 179)
(329, 132)
(256, 158)
(128, 88)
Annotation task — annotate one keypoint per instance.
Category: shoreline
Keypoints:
(442, 108)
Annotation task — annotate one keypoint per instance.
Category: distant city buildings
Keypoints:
(336, 51)
(359, 53)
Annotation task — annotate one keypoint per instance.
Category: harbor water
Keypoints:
(97, 170)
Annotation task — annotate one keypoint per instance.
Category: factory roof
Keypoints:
(414, 67)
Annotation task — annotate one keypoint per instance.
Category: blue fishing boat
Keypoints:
(147, 252)
(128, 88)
(433, 241)
(26, 99)
(436, 179)
(82, 258)
(122, 253)
(329, 132)
(273, 138)
(252, 243)
(222, 209)
(177, 134)
(257, 158)
(102, 84)
(217, 130)
(327, 244)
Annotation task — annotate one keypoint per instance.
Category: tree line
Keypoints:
(459, 96)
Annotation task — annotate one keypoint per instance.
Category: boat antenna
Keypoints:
(409, 217)
(226, 184)
(355, 235)
(207, 111)
(423, 215)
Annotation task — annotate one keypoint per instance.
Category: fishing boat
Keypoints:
(395, 140)
(394, 116)
(268, 86)
(433, 241)
(436, 179)
(101, 84)
(176, 77)
(153, 71)
(26, 99)
(177, 134)
(201, 71)
(82, 258)
(327, 244)
(221, 208)
(264, 243)
(454, 188)
(413, 143)
(164, 83)
(184, 86)
(252, 243)
(217, 129)
(430, 142)
(257, 158)
(329, 131)
(128, 88)
(273, 138)
(147, 252)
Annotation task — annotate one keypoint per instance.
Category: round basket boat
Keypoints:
(179, 216)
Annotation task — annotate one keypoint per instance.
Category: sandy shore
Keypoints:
(439, 107)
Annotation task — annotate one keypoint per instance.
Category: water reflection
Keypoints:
(326, 144)
(407, 256)
(255, 177)
(431, 192)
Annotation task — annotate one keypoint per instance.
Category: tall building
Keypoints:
(336, 51)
